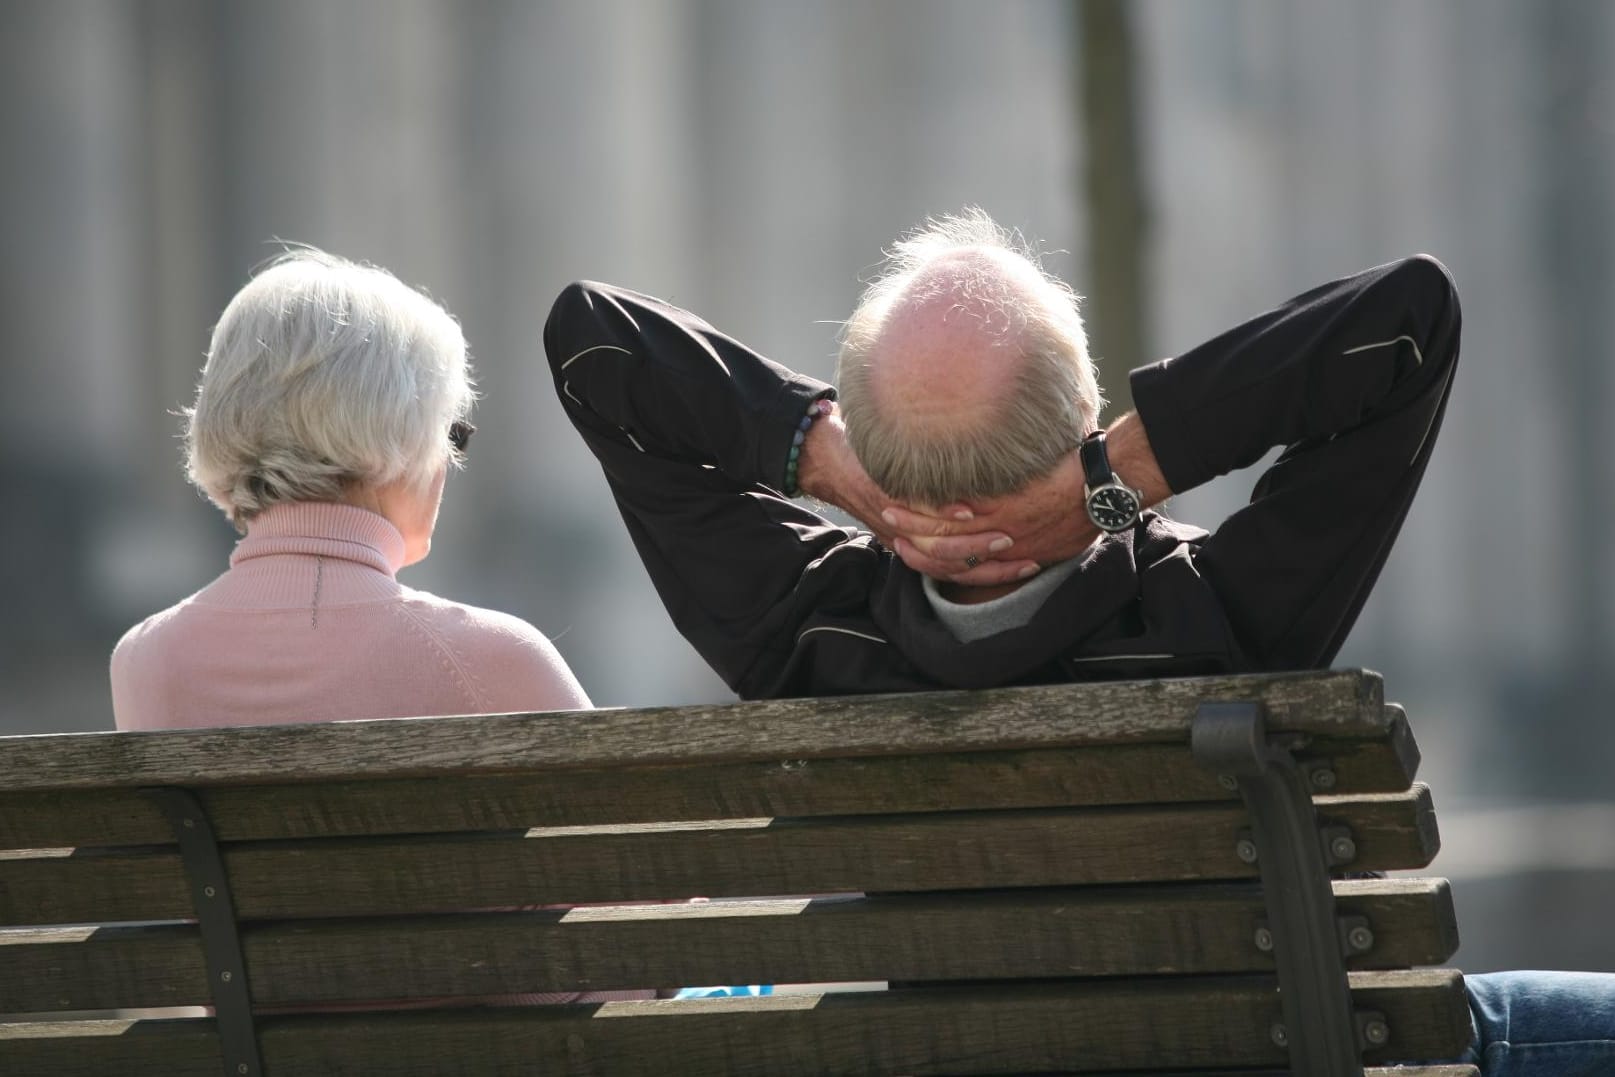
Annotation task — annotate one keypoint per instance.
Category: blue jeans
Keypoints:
(1542, 1024)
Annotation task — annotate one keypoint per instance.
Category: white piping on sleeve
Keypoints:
(1418, 356)
(633, 440)
(843, 631)
(597, 347)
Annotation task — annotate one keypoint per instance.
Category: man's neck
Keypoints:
(973, 613)
(965, 595)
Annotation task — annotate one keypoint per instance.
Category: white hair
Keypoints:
(324, 376)
(1053, 403)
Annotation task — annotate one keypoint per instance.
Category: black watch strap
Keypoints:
(1096, 470)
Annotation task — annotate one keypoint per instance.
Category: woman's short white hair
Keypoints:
(1055, 400)
(325, 376)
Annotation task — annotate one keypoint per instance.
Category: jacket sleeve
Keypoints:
(693, 430)
(1353, 379)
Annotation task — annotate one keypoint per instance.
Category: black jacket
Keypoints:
(693, 428)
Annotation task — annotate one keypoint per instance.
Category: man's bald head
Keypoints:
(964, 372)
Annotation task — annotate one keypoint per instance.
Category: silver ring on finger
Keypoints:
(972, 561)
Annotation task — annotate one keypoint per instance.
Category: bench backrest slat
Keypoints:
(1116, 774)
(995, 1029)
(744, 858)
(1348, 702)
(1006, 935)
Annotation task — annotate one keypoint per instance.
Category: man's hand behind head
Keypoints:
(830, 472)
(1044, 519)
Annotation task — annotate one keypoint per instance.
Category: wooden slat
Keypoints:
(1109, 774)
(87, 968)
(1379, 818)
(1077, 1027)
(1441, 1032)
(1370, 1071)
(1111, 931)
(977, 850)
(1332, 703)
(111, 1048)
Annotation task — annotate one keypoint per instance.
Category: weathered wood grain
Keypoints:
(111, 1048)
(1108, 774)
(935, 851)
(1375, 818)
(1074, 1027)
(97, 968)
(1335, 703)
(1196, 929)
(1440, 1031)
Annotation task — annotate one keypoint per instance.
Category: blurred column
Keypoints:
(70, 118)
(71, 122)
(1115, 196)
(1575, 262)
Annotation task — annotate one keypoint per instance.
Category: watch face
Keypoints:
(1113, 508)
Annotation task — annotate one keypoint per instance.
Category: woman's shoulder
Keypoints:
(143, 655)
(154, 631)
(472, 622)
(519, 667)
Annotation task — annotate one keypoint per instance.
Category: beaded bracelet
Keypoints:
(817, 408)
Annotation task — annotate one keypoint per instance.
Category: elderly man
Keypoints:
(1012, 541)
(967, 391)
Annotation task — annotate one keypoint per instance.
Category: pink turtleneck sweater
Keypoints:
(310, 625)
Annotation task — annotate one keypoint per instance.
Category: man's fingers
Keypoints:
(989, 573)
(983, 572)
(908, 522)
(923, 563)
(959, 548)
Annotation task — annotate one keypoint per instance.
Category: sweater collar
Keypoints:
(323, 529)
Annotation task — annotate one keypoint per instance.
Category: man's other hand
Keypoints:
(1045, 520)
(829, 471)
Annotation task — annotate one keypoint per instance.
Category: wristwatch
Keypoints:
(1112, 504)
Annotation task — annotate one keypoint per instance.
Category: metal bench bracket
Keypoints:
(1319, 1030)
(221, 941)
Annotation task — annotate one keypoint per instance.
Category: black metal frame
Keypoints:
(1319, 1030)
(221, 940)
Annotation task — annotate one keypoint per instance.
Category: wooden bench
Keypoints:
(1097, 878)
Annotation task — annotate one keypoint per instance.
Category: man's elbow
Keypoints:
(572, 308)
(1427, 284)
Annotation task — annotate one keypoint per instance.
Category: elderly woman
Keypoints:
(332, 405)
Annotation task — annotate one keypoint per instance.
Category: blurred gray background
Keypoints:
(1184, 164)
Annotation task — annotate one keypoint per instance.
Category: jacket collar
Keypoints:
(1095, 603)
